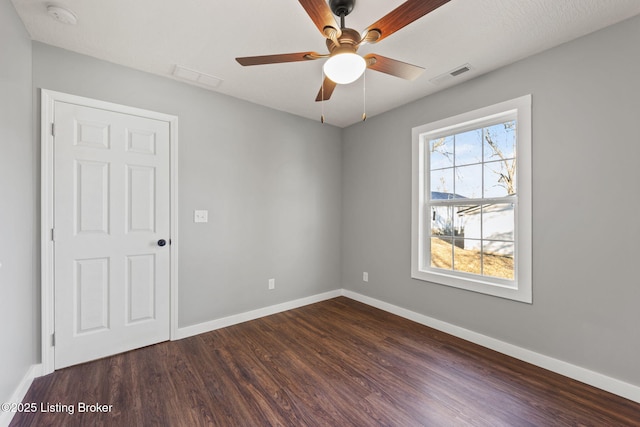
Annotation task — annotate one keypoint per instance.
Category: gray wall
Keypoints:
(19, 309)
(270, 180)
(586, 150)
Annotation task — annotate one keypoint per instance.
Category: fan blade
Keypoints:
(404, 15)
(276, 59)
(320, 14)
(326, 90)
(393, 66)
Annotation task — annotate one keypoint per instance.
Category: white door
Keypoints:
(111, 215)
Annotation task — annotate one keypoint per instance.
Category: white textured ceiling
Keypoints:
(207, 35)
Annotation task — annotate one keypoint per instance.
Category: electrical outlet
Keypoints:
(272, 283)
(365, 276)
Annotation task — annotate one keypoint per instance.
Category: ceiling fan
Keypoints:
(344, 65)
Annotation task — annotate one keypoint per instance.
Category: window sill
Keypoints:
(507, 289)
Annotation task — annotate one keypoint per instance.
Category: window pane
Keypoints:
(500, 178)
(498, 222)
(498, 259)
(468, 221)
(500, 141)
(442, 221)
(468, 147)
(441, 252)
(441, 152)
(468, 181)
(442, 182)
(467, 256)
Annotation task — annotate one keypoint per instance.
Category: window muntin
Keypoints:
(471, 216)
(475, 237)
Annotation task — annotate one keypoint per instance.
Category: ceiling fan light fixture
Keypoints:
(344, 68)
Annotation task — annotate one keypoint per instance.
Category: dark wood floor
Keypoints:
(335, 363)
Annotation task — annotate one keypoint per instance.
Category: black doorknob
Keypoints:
(162, 242)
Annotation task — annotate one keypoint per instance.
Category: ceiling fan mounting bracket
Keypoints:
(371, 36)
(332, 34)
(341, 7)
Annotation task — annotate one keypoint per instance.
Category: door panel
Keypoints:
(91, 295)
(91, 189)
(141, 190)
(111, 206)
(141, 287)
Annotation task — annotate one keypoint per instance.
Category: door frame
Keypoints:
(48, 98)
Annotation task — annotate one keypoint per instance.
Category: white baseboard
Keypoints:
(20, 392)
(212, 325)
(612, 385)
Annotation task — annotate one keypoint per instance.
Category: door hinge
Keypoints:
(53, 339)
(53, 129)
(53, 234)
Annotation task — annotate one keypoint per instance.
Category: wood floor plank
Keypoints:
(335, 363)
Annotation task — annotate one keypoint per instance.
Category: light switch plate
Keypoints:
(200, 216)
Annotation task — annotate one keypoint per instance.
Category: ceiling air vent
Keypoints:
(196, 77)
(460, 70)
(442, 78)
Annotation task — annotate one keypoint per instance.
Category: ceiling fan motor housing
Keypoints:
(349, 39)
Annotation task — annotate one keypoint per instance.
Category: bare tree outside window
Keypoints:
(507, 172)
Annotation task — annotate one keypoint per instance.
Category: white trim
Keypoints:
(46, 223)
(595, 379)
(20, 392)
(212, 325)
(174, 208)
(519, 289)
(48, 100)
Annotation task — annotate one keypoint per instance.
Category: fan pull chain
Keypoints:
(322, 100)
(364, 96)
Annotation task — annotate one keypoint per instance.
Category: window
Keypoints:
(471, 214)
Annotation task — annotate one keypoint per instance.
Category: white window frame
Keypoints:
(520, 288)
